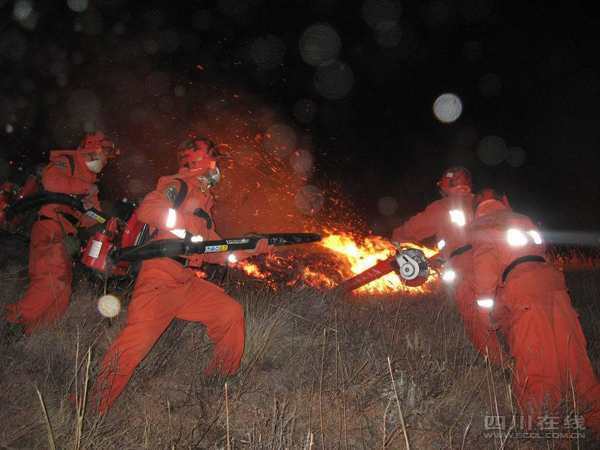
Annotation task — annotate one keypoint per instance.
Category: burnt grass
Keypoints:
(321, 370)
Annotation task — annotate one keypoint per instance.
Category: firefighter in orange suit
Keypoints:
(50, 267)
(449, 220)
(166, 288)
(534, 311)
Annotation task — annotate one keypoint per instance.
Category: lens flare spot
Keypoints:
(77, 5)
(491, 150)
(280, 140)
(305, 110)
(447, 108)
(334, 80)
(302, 162)
(320, 43)
(515, 157)
(267, 51)
(109, 306)
(387, 206)
(388, 34)
(310, 200)
(377, 11)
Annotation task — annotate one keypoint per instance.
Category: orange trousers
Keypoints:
(165, 291)
(477, 326)
(50, 276)
(551, 364)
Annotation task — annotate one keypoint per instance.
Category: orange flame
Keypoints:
(252, 269)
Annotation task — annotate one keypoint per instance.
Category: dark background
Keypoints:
(152, 73)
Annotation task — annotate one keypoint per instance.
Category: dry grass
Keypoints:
(315, 375)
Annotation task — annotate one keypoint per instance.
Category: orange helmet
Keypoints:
(95, 142)
(456, 176)
(198, 154)
(489, 194)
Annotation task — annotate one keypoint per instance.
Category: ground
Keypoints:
(321, 370)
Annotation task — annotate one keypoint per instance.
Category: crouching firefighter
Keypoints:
(533, 311)
(449, 220)
(167, 288)
(53, 235)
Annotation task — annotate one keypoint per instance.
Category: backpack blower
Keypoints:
(118, 249)
(410, 264)
(10, 194)
(123, 229)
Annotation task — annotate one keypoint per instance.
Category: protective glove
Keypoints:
(262, 246)
(93, 190)
(88, 199)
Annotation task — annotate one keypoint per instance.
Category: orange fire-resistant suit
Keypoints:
(449, 220)
(535, 313)
(166, 290)
(50, 268)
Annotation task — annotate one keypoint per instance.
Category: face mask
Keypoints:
(95, 165)
(98, 162)
(211, 179)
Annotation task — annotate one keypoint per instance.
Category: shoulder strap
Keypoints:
(71, 163)
(181, 195)
(183, 191)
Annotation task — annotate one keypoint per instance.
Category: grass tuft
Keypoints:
(320, 370)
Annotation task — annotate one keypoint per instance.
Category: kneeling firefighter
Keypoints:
(53, 235)
(449, 220)
(533, 311)
(167, 288)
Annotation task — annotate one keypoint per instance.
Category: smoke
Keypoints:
(151, 87)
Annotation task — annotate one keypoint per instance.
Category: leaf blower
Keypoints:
(410, 264)
(11, 194)
(121, 244)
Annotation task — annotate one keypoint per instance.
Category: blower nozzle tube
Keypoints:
(47, 198)
(171, 248)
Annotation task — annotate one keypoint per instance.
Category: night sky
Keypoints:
(348, 86)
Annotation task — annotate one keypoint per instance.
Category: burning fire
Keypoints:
(344, 255)
(252, 270)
